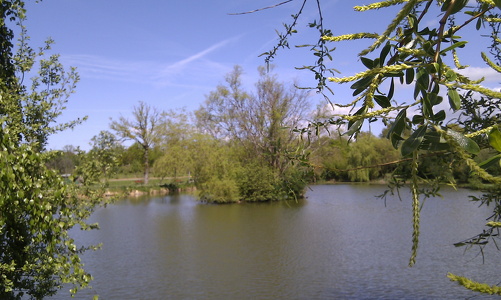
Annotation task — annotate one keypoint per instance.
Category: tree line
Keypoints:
(237, 146)
(242, 145)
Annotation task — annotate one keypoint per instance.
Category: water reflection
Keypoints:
(339, 243)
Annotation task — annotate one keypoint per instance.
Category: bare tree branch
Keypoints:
(260, 9)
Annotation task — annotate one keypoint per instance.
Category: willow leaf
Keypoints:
(414, 141)
(464, 142)
(454, 99)
(493, 161)
(495, 139)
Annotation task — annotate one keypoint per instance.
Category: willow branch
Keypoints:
(260, 9)
(442, 23)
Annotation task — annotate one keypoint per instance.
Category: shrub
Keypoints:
(257, 183)
(219, 191)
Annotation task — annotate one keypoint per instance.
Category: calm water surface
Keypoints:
(339, 243)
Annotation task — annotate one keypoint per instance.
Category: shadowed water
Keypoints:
(339, 243)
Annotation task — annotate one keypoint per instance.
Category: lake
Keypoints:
(340, 242)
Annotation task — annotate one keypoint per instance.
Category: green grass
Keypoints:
(134, 182)
(137, 184)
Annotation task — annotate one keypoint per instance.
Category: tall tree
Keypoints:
(427, 57)
(145, 128)
(177, 139)
(37, 207)
(260, 126)
(262, 122)
(105, 151)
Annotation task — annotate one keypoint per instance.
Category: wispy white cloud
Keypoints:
(157, 73)
(97, 67)
(182, 63)
(195, 64)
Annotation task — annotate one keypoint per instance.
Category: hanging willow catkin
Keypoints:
(381, 4)
(475, 286)
(415, 209)
(402, 14)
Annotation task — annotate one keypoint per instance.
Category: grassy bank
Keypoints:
(134, 186)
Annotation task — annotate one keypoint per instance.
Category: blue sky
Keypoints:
(171, 54)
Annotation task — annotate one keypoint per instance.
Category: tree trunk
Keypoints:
(146, 165)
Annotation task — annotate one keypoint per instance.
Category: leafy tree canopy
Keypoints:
(145, 128)
(37, 207)
(258, 127)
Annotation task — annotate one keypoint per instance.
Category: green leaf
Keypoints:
(395, 132)
(358, 91)
(454, 46)
(428, 47)
(434, 141)
(422, 82)
(493, 161)
(464, 142)
(435, 68)
(435, 99)
(383, 101)
(423, 78)
(439, 100)
(450, 75)
(392, 89)
(409, 76)
(454, 99)
(417, 119)
(457, 6)
(394, 74)
(412, 20)
(439, 116)
(362, 83)
(495, 139)
(384, 52)
(412, 143)
(498, 3)
(355, 127)
(427, 107)
(478, 24)
(369, 63)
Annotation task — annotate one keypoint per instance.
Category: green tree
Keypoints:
(65, 160)
(263, 122)
(37, 207)
(145, 128)
(328, 156)
(368, 158)
(427, 58)
(105, 151)
(131, 160)
(214, 166)
(175, 161)
(178, 134)
(260, 125)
